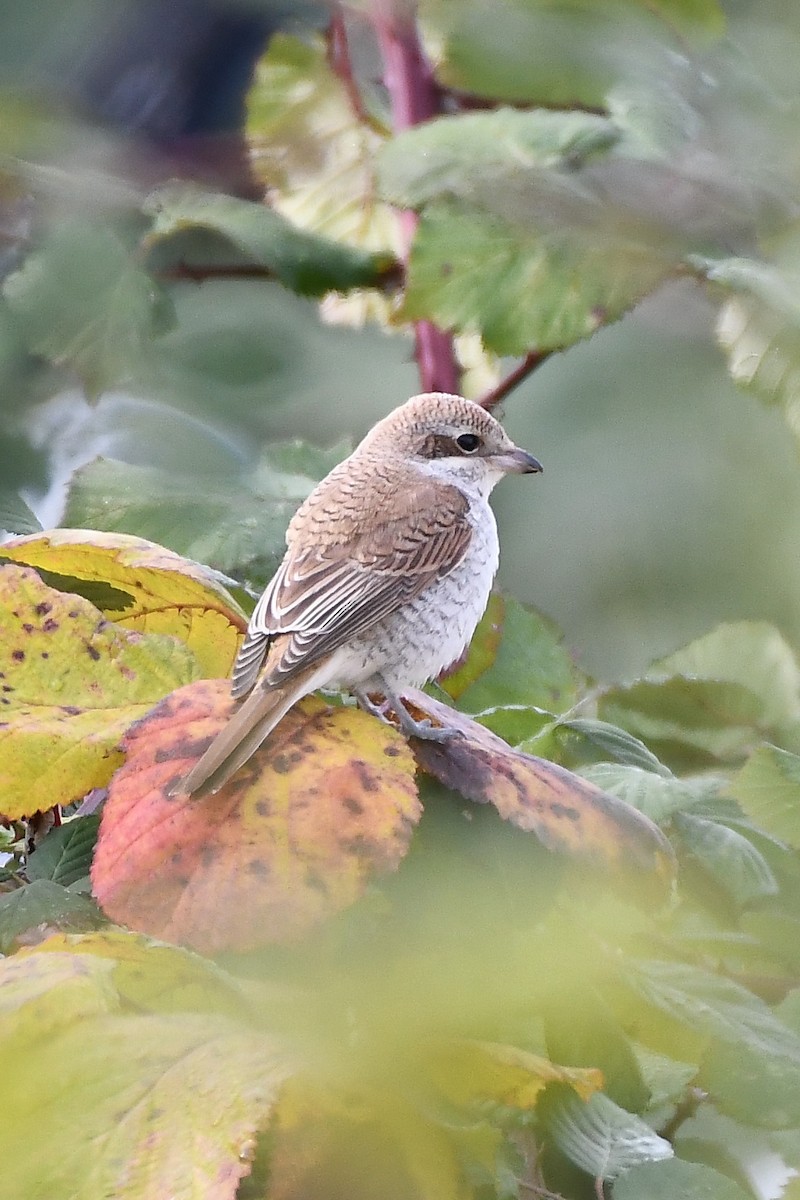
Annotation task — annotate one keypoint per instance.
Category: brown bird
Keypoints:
(388, 568)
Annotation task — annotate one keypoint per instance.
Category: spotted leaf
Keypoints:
(70, 685)
(327, 803)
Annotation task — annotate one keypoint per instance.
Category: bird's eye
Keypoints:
(468, 442)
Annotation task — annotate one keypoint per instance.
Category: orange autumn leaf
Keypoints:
(325, 805)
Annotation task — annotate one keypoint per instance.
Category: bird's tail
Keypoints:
(241, 737)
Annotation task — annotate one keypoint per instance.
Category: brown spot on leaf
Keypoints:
(28, 628)
(295, 841)
(93, 652)
(43, 609)
(18, 655)
(50, 625)
(567, 813)
(365, 776)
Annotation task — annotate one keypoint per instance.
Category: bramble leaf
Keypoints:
(140, 586)
(305, 262)
(566, 813)
(234, 525)
(71, 683)
(327, 803)
(157, 1091)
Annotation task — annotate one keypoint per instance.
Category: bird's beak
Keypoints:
(518, 462)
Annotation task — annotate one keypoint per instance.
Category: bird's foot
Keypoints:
(369, 705)
(424, 729)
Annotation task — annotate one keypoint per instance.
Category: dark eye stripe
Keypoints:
(441, 445)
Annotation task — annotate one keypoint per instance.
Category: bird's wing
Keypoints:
(344, 573)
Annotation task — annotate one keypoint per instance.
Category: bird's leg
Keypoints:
(411, 728)
(375, 710)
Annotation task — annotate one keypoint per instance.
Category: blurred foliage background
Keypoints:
(670, 499)
(610, 193)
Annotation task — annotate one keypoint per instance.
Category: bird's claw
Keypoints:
(424, 729)
(429, 732)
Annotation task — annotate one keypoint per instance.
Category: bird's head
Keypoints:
(452, 438)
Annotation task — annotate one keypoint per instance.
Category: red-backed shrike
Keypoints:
(388, 568)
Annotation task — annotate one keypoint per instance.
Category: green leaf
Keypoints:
(734, 862)
(687, 722)
(715, 699)
(657, 796)
(47, 904)
(753, 1086)
(65, 855)
(610, 742)
(768, 789)
(676, 1178)
(522, 282)
(600, 1137)
(531, 50)
(305, 262)
(441, 157)
(15, 515)
(582, 1028)
(759, 325)
(82, 303)
(750, 653)
(713, 1007)
(234, 525)
(516, 657)
(666, 1078)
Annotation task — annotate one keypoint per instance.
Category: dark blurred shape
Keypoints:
(172, 75)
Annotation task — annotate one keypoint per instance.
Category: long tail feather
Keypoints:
(240, 738)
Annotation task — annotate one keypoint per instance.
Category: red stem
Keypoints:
(514, 378)
(414, 98)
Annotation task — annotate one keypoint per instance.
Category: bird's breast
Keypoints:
(432, 631)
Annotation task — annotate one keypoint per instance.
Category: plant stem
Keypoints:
(414, 98)
(514, 378)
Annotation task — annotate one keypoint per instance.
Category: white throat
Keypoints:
(472, 476)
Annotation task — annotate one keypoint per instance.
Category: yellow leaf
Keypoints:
(480, 1073)
(125, 1103)
(70, 685)
(153, 975)
(140, 586)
